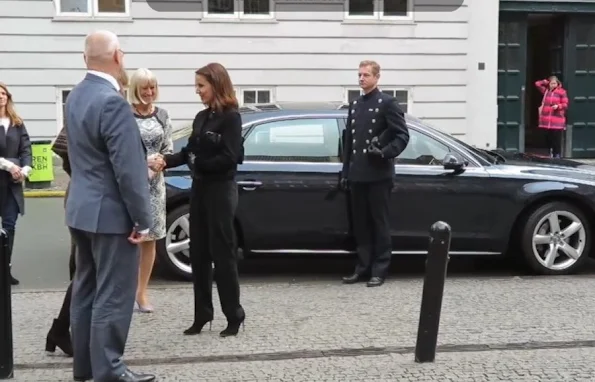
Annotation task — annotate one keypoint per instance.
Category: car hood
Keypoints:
(557, 167)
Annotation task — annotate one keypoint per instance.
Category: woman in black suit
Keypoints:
(16, 161)
(213, 152)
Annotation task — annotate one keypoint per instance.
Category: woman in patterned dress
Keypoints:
(155, 129)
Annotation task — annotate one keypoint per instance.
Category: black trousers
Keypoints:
(370, 204)
(213, 241)
(553, 139)
(64, 315)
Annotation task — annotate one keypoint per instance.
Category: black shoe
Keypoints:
(130, 376)
(13, 281)
(59, 335)
(196, 328)
(354, 278)
(233, 328)
(375, 282)
(83, 379)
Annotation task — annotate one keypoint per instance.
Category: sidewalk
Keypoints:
(492, 329)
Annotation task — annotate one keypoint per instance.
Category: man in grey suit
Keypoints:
(107, 212)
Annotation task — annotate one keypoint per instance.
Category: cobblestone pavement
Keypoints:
(496, 328)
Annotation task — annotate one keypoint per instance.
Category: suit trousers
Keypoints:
(370, 203)
(213, 241)
(103, 293)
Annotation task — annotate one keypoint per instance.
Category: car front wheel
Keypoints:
(556, 239)
(174, 256)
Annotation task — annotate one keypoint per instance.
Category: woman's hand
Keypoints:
(156, 162)
(17, 174)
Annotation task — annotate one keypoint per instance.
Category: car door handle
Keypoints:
(249, 185)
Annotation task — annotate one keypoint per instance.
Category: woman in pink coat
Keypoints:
(552, 112)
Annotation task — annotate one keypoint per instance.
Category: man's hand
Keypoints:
(374, 150)
(137, 237)
(156, 162)
(344, 184)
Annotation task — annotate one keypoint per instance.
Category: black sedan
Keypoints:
(496, 203)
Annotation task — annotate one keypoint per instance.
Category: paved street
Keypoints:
(303, 325)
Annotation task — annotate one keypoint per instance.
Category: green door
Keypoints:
(512, 62)
(580, 84)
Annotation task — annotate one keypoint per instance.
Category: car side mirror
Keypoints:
(453, 162)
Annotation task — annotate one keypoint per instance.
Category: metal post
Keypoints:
(6, 341)
(522, 128)
(568, 141)
(433, 290)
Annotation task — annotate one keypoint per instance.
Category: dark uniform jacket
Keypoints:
(15, 146)
(373, 115)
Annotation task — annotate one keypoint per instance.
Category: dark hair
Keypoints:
(223, 94)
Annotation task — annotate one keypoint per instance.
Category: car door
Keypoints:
(425, 193)
(289, 200)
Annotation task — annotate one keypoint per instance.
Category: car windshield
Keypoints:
(485, 155)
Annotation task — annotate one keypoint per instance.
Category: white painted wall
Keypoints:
(301, 56)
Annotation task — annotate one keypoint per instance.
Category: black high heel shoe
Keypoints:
(196, 328)
(233, 328)
(59, 336)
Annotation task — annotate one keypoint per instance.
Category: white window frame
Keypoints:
(387, 88)
(248, 89)
(238, 13)
(379, 13)
(93, 11)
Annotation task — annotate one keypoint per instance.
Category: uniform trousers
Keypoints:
(370, 202)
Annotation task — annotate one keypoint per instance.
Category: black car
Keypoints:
(496, 203)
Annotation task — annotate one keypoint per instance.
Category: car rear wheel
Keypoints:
(556, 239)
(175, 254)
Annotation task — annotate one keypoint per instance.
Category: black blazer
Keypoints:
(211, 160)
(15, 145)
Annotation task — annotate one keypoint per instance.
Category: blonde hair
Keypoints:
(138, 79)
(372, 64)
(12, 114)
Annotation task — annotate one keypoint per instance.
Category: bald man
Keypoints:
(107, 212)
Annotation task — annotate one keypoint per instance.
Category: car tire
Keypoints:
(573, 237)
(171, 264)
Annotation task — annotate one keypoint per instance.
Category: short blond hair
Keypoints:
(372, 64)
(138, 79)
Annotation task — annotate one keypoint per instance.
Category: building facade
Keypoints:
(439, 60)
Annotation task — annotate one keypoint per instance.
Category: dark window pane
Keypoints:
(257, 7)
(361, 7)
(111, 6)
(74, 6)
(65, 94)
(389, 92)
(352, 95)
(402, 99)
(221, 7)
(250, 96)
(264, 96)
(394, 8)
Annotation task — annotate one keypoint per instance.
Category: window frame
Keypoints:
(388, 88)
(93, 11)
(259, 89)
(378, 13)
(238, 13)
(339, 133)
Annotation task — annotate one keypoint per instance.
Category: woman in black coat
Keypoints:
(213, 152)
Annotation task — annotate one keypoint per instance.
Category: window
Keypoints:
(402, 96)
(422, 150)
(91, 8)
(296, 140)
(379, 9)
(234, 9)
(255, 96)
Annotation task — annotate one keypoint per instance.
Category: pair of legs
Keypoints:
(370, 202)
(103, 293)
(147, 259)
(553, 139)
(10, 215)
(213, 241)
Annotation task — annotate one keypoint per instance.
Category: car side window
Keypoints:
(423, 150)
(294, 140)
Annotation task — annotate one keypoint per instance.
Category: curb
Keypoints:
(45, 194)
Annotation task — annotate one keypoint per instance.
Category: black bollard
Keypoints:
(6, 345)
(433, 290)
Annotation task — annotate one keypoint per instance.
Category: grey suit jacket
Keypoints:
(109, 187)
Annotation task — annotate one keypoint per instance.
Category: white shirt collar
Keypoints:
(107, 77)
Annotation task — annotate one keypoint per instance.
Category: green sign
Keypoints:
(43, 164)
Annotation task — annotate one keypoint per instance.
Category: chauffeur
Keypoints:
(376, 133)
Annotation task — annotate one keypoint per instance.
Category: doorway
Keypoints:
(545, 57)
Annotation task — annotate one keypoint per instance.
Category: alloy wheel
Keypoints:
(559, 240)
(177, 244)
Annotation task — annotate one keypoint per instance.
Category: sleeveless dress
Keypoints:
(157, 140)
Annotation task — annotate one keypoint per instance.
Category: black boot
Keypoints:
(59, 336)
(11, 233)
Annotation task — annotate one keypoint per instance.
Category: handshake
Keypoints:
(156, 164)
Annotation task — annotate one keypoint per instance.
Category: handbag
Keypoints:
(540, 108)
